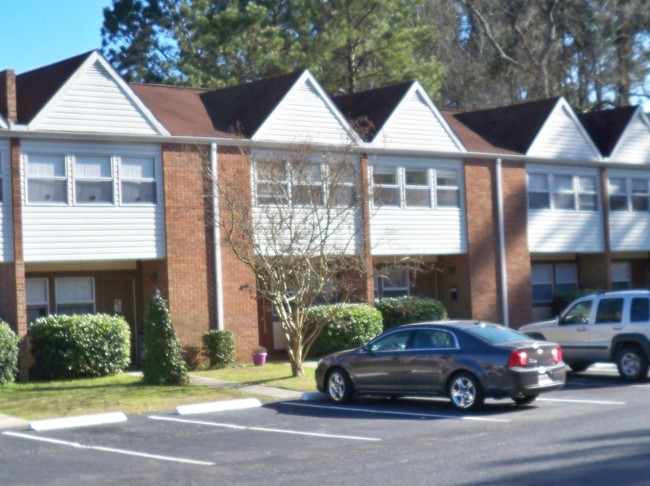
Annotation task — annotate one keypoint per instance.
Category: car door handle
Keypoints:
(618, 328)
(581, 329)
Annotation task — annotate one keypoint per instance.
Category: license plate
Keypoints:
(544, 380)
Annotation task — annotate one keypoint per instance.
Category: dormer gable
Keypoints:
(416, 123)
(306, 113)
(634, 144)
(562, 136)
(83, 94)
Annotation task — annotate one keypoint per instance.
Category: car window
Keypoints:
(497, 334)
(640, 310)
(578, 314)
(432, 339)
(609, 310)
(395, 341)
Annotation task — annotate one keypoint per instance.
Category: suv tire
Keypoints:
(632, 363)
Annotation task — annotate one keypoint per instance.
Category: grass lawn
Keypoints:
(124, 393)
(277, 375)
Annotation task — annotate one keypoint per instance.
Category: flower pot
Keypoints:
(259, 359)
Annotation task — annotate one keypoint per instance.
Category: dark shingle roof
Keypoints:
(369, 110)
(513, 127)
(605, 127)
(34, 89)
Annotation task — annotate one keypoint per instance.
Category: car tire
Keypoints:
(465, 391)
(632, 363)
(527, 400)
(339, 386)
(579, 366)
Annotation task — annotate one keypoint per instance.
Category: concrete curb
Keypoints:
(77, 421)
(218, 406)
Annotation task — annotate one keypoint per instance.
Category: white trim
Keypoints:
(3, 122)
(416, 87)
(304, 77)
(72, 80)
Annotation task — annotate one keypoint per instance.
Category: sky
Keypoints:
(35, 33)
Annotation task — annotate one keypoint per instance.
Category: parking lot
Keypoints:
(595, 428)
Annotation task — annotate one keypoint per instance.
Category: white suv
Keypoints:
(610, 326)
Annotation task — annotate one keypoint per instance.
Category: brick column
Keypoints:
(364, 193)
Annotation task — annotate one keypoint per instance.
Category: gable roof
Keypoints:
(512, 128)
(605, 127)
(472, 140)
(373, 106)
(34, 89)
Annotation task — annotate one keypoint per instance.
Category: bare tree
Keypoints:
(300, 233)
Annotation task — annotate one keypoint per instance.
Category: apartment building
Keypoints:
(104, 196)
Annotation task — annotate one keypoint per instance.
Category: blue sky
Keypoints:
(35, 33)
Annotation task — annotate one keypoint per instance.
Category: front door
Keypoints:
(116, 296)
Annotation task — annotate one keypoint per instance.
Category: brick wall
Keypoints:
(238, 282)
(594, 271)
(184, 281)
(455, 273)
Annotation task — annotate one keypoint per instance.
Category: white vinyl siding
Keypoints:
(573, 221)
(6, 216)
(417, 124)
(406, 229)
(93, 101)
(629, 217)
(79, 231)
(562, 137)
(634, 145)
(305, 115)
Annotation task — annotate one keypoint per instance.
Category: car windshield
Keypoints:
(497, 335)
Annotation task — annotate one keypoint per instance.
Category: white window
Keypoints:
(75, 295)
(629, 194)
(272, 184)
(447, 189)
(341, 177)
(38, 301)
(562, 192)
(93, 177)
(385, 186)
(138, 180)
(392, 281)
(621, 275)
(549, 279)
(307, 184)
(417, 188)
(47, 179)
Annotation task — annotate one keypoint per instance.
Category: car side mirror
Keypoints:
(366, 349)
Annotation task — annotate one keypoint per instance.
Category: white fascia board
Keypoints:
(562, 103)
(304, 77)
(417, 87)
(3, 122)
(95, 56)
(638, 113)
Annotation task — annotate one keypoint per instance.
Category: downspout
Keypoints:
(216, 234)
(502, 246)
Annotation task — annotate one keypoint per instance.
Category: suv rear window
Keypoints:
(640, 310)
(609, 310)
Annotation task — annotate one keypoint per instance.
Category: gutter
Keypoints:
(503, 273)
(216, 233)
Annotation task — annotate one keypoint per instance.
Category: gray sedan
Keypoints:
(464, 360)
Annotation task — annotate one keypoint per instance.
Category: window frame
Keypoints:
(59, 302)
(383, 275)
(556, 281)
(621, 283)
(76, 178)
(153, 180)
(65, 178)
(41, 304)
(626, 196)
(554, 193)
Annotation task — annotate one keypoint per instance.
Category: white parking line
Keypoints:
(264, 429)
(390, 412)
(109, 449)
(568, 400)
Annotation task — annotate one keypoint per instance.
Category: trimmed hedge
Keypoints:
(562, 300)
(348, 326)
(78, 346)
(405, 310)
(8, 354)
(219, 347)
(163, 363)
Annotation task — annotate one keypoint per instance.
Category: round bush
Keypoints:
(405, 310)
(219, 347)
(8, 354)
(348, 326)
(77, 346)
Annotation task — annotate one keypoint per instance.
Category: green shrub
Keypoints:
(219, 348)
(80, 346)
(163, 362)
(8, 354)
(562, 300)
(348, 326)
(405, 310)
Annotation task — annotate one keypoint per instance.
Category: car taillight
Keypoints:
(556, 355)
(518, 358)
